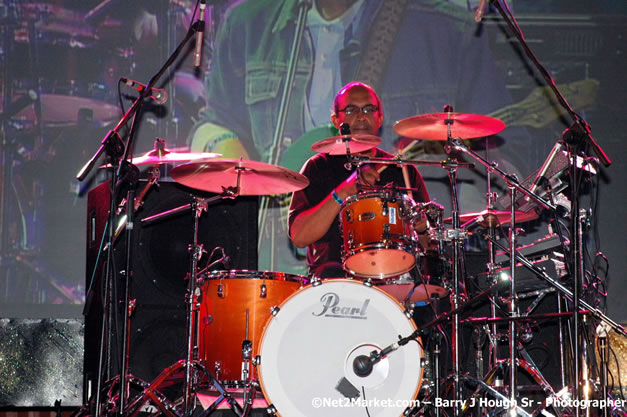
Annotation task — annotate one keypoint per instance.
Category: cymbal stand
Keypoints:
(193, 296)
(112, 137)
(458, 239)
(513, 186)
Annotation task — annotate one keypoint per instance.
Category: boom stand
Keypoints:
(112, 137)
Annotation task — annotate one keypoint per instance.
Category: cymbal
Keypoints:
(434, 126)
(165, 156)
(255, 178)
(336, 145)
(487, 218)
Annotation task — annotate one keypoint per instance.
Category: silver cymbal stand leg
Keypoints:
(457, 240)
(456, 290)
(513, 302)
(192, 306)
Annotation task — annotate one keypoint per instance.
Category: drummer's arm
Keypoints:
(312, 224)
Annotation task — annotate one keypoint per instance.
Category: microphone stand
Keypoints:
(112, 140)
(579, 131)
(275, 150)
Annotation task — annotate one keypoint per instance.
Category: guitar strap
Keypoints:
(374, 61)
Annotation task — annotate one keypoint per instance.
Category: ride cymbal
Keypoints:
(435, 126)
(253, 177)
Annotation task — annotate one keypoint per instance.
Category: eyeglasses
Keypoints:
(366, 110)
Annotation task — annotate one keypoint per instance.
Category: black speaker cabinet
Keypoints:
(160, 266)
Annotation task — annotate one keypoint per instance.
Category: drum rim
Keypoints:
(364, 248)
(402, 309)
(254, 274)
(362, 195)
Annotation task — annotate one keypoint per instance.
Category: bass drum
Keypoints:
(309, 346)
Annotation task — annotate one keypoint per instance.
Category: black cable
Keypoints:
(363, 391)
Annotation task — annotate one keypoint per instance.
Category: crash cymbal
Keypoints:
(435, 126)
(336, 145)
(255, 178)
(487, 218)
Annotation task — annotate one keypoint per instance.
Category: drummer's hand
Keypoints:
(421, 228)
(366, 175)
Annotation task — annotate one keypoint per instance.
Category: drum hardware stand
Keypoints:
(513, 185)
(457, 258)
(193, 295)
(112, 140)
(578, 132)
(365, 364)
(275, 151)
(604, 348)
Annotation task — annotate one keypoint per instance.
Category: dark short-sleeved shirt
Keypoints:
(325, 173)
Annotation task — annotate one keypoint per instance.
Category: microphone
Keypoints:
(200, 32)
(362, 366)
(159, 95)
(480, 10)
(226, 261)
(345, 129)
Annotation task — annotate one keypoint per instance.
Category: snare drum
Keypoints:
(309, 346)
(378, 235)
(235, 307)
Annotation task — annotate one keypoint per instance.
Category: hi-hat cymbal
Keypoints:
(165, 156)
(435, 126)
(487, 218)
(255, 178)
(336, 145)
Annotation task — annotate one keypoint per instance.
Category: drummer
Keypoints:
(313, 216)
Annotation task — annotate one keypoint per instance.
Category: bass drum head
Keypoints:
(308, 349)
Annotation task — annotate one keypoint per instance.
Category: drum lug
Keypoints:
(256, 360)
(368, 283)
(349, 216)
(247, 349)
(274, 310)
(271, 410)
(263, 291)
(217, 368)
(220, 291)
(315, 281)
(350, 240)
(386, 231)
(409, 312)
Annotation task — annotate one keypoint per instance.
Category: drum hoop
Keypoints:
(364, 195)
(332, 280)
(251, 274)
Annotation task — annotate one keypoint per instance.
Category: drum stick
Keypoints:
(403, 168)
(401, 152)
